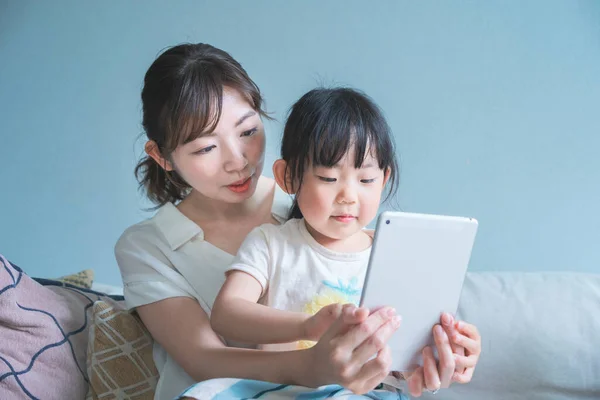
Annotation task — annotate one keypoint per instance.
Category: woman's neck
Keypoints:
(201, 208)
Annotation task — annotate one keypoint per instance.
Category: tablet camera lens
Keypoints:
(387, 221)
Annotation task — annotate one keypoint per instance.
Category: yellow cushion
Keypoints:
(119, 359)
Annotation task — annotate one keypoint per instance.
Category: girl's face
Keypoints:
(339, 202)
(225, 165)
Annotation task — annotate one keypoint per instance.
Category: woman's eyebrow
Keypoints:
(245, 117)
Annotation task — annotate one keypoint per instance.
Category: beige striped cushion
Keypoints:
(83, 279)
(120, 364)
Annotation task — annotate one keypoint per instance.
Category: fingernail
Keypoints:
(396, 321)
(391, 312)
(438, 330)
(447, 319)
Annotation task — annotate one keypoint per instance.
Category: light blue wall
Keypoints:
(494, 105)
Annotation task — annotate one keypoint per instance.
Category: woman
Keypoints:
(205, 154)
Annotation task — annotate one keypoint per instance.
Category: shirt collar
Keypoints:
(176, 227)
(179, 229)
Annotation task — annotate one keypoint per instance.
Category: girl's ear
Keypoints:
(282, 176)
(152, 150)
(386, 176)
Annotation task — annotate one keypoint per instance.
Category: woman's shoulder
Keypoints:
(147, 233)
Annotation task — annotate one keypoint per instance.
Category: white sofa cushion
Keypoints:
(540, 336)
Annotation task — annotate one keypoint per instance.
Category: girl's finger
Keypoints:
(353, 314)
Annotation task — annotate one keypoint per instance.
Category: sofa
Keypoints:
(541, 339)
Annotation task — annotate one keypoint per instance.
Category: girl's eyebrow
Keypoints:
(364, 166)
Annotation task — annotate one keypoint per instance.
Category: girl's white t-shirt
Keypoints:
(297, 273)
(166, 256)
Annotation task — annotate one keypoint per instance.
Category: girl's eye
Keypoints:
(368, 180)
(205, 150)
(326, 179)
(249, 132)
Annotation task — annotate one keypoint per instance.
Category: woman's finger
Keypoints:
(376, 342)
(364, 331)
(463, 362)
(431, 376)
(415, 382)
(468, 330)
(375, 370)
(472, 346)
(464, 377)
(448, 323)
(446, 364)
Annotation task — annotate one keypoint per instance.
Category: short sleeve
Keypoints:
(148, 276)
(254, 258)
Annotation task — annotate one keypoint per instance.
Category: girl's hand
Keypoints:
(316, 325)
(458, 345)
(345, 353)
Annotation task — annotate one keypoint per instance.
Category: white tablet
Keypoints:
(417, 265)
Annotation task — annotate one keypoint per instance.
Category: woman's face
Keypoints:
(225, 165)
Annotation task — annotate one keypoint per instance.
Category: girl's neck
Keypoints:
(357, 242)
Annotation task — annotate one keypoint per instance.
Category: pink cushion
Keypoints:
(44, 331)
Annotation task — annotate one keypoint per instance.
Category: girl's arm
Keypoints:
(237, 316)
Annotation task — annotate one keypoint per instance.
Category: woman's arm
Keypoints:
(342, 356)
(180, 326)
(237, 316)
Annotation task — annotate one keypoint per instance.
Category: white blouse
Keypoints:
(166, 256)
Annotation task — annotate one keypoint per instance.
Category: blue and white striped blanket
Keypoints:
(237, 389)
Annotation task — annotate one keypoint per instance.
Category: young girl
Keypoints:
(203, 170)
(337, 157)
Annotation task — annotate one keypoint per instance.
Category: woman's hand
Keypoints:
(353, 352)
(466, 343)
(459, 346)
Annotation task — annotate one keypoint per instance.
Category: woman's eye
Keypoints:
(367, 180)
(326, 179)
(249, 132)
(205, 150)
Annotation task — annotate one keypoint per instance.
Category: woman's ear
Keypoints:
(152, 150)
(282, 176)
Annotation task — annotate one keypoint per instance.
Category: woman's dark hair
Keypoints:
(324, 124)
(182, 99)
